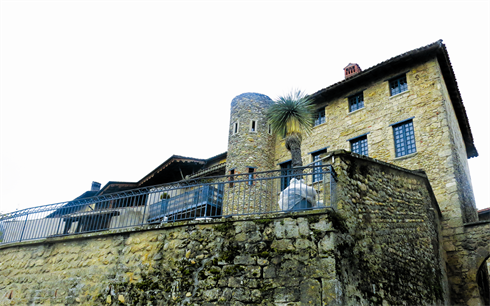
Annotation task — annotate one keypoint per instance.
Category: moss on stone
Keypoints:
(263, 221)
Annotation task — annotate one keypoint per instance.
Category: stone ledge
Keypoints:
(277, 215)
(476, 223)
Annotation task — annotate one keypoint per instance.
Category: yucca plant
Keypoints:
(290, 117)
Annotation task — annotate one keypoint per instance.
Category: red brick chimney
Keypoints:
(351, 70)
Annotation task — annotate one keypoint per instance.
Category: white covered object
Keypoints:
(296, 192)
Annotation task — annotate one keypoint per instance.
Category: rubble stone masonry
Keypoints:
(382, 246)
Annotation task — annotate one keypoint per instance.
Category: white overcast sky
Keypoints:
(108, 90)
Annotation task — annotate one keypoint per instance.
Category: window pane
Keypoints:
(404, 139)
(317, 171)
(360, 146)
(356, 102)
(398, 85)
(320, 117)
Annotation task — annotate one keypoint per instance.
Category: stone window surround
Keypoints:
(251, 125)
(235, 127)
(250, 174)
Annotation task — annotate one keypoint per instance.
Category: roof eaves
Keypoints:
(165, 164)
(435, 50)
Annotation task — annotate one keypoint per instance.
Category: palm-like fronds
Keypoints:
(292, 114)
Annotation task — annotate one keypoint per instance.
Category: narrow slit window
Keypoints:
(253, 126)
(251, 176)
(232, 177)
(235, 128)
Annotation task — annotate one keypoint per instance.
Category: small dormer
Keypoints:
(351, 70)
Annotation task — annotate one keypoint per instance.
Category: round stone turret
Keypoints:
(250, 150)
(250, 141)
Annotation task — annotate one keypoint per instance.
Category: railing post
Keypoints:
(58, 229)
(23, 228)
(144, 210)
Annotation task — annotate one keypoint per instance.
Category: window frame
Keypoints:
(316, 176)
(251, 175)
(319, 119)
(359, 103)
(286, 173)
(231, 179)
(401, 87)
(357, 140)
(404, 138)
(253, 126)
(235, 128)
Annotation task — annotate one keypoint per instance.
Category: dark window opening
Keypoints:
(398, 85)
(320, 117)
(232, 177)
(359, 145)
(356, 102)
(317, 170)
(286, 174)
(250, 176)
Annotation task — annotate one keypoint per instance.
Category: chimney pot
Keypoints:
(95, 186)
(351, 70)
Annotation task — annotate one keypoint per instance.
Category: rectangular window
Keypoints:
(404, 138)
(356, 102)
(317, 171)
(250, 176)
(398, 85)
(253, 126)
(286, 172)
(235, 128)
(359, 145)
(320, 117)
(232, 177)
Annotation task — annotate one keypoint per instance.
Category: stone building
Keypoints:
(406, 111)
(406, 229)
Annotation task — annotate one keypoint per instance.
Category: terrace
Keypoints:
(304, 188)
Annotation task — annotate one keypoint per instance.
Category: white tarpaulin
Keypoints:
(297, 195)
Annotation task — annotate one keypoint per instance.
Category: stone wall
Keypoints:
(471, 242)
(393, 224)
(266, 260)
(381, 247)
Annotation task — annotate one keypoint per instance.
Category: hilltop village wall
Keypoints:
(381, 247)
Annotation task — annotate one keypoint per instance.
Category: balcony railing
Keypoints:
(295, 189)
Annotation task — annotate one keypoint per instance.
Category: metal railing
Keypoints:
(295, 189)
